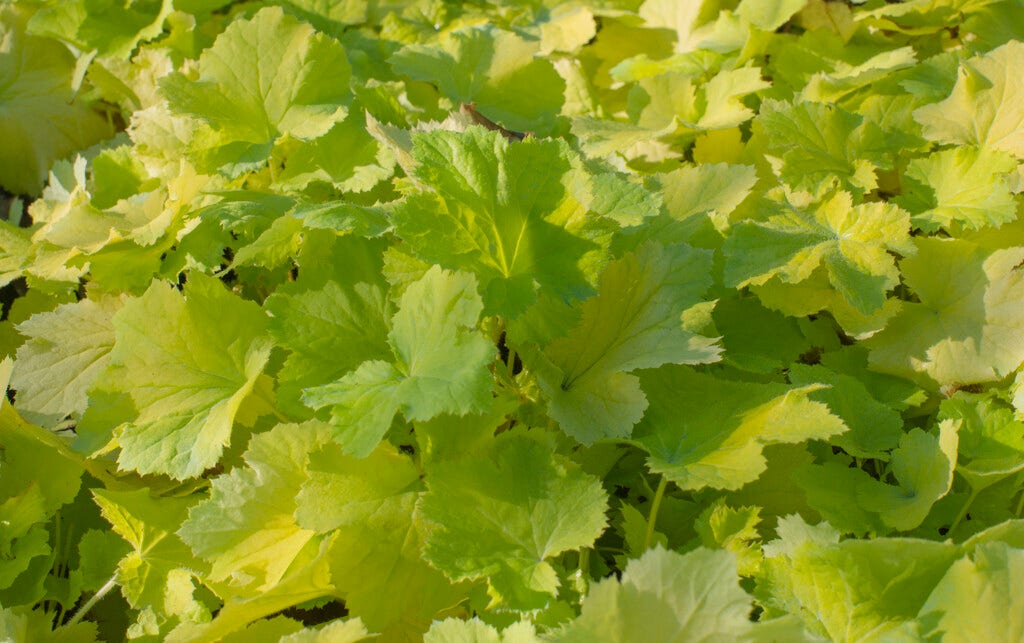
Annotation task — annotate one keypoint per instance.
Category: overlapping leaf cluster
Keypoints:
(617, 320)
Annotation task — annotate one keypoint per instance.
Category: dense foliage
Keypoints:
(512, 321)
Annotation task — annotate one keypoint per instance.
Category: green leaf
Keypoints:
(769, 15)
(854, 589)
(187, 362)
(499, 211)
(263, 78)
(875, 427)
(376, 555)
(440, 365)
(501, 515)
(246, 529)
(991, 444)
(496, 70)
(817, 142)
(54, 368)
(696, 444)
(337, 631)
(734, 530)
(40, 120)
(985, 108)
(151, 571)
(923, 466)
(665, 596)
(329, 331)
(851, 241)
(633, 322)
(965, 328)
(979, 599)
(963, 186)
(453, 630)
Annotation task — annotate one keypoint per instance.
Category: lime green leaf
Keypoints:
(986, 107)
(817, 142)
(246, 528)
(567, 29)
(633, 322)
(453, 630)
(698, 445)
(440, 365)
(26, 624)
(850, 590)
(344, 491)
(831, 490)
(665, 596)
(367, 505)
(979, 598)
(850, 241)
(966, 326)
(991, 438)
(150, 572)
(495, 69)
(769, 15)
(346, 157)
(734, 530)
(500, 516)
(109, 27)
(307, 580)
(262, 79)
(187, 362)
(329, 332)
(55, 367)
(875, 427)
(495, 215)
(41, 121)
(27, 498)
(923, 466)
(337, 631)
(964, 185)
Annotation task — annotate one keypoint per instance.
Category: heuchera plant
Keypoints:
(619, 320)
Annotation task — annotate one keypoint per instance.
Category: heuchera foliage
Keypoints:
(620, 320)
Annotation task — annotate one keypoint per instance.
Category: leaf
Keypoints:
(665, 596)
(984, 108)
(54, 368)
(263, 78)
(978, 598)
(923, 466)
(246, 529)
(40, 120)
(633, 322)
(963, 186)
(367, 506)
(875, 427)
(850, 241)
(965, 328)
(852, 589)
(440, 365)
(453, 630)
(148, 573)
(329, 331)
(817, 142)
(494, 69)
(991, 446)
(496, 213)
(187, 362)
(698, 445)
(501, 515)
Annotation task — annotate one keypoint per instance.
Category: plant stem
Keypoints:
(91, 603)
(1020, 505)
(652, 518)
(963, 511)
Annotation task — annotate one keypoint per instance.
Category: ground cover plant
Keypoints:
(512, 321)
